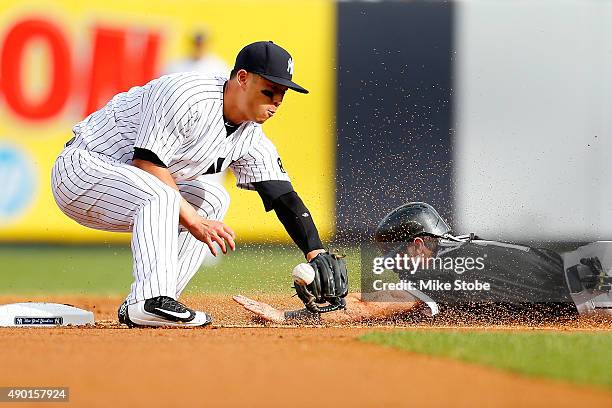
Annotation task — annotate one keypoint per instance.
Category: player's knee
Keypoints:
(219, 200)
(164, 196)
(209, 198)
(224, 200)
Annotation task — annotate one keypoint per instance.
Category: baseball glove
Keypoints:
(330, 284)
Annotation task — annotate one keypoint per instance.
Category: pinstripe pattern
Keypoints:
(180, 118)
(102, 194)
(212, 201)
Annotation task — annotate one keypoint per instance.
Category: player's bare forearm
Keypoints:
(207, 231)
(387, 306)
(355, 311)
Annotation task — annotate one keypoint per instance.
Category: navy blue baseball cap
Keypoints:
(270, 61)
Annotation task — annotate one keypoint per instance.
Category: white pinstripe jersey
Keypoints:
(179, 117)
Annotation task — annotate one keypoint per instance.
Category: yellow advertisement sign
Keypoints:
(59, 61)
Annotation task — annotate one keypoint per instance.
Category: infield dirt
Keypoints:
(241, 362)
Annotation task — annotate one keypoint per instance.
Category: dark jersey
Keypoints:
(480, 271)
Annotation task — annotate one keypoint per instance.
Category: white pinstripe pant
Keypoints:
(100, 193)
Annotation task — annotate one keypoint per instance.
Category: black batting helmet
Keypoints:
(409, 221)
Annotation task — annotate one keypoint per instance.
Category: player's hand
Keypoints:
(209, 231)
(263, 310)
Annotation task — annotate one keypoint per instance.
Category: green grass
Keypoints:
(578, 357)
(108, 270)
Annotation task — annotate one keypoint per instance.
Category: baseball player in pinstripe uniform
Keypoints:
(140, 165)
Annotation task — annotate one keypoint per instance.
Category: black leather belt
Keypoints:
(71, 141)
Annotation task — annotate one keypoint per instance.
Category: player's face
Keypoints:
(418, 248)
(262, 98)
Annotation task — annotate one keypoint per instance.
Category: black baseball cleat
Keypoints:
(122, 315)
(161, 311)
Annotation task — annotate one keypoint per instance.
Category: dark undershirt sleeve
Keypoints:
(271, 190)
(290, 209)
(298, 222)
(148, 155)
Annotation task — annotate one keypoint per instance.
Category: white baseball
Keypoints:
(303, 274)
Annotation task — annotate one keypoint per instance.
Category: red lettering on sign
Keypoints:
(120, 60)
(11, 68)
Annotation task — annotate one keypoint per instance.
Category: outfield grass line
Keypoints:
(578, 357)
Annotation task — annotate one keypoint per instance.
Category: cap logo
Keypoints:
(290, 66)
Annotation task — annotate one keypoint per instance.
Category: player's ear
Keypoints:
(242, 77)
(419, 244)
